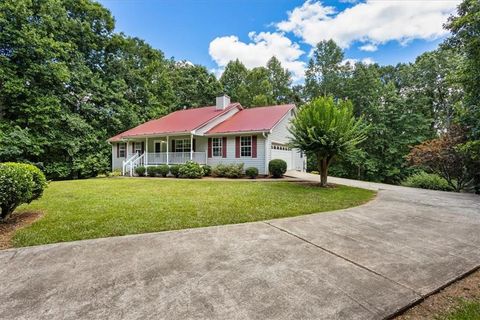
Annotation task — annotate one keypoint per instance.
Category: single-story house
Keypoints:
(224, 133)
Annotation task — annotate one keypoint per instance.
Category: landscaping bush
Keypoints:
(207, 170)
(162, 170)
(427, 181)
(191, 170)
(175, 170)
(251, 172)
(219, 170)
(277, 168)
(151, 171)
(140, 171)
(234, 170)
(115, 173)
(228, 170)
(19, 183)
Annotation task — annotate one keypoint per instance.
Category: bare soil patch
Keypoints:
(446, 300)
(13, 223)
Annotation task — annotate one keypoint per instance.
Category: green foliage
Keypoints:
(162, 170)
(277, 168)
(326, 129)
(191, 170)
(427, 181)
(228, 170)
(207, 170)
(175, 170)
(19, 183)
(140, 171)
(251, 172)
(151, 171)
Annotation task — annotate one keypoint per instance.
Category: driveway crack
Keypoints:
(342, 257)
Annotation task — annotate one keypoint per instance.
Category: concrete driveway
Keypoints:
(367, 262)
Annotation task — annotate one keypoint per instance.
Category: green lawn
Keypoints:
(466, 310)
(94, 208)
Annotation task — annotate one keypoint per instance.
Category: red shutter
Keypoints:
(209, 147)
(254, 146)
(173, 146)
(143, 147)
(237, 147)
(118, 150)
(224, 147)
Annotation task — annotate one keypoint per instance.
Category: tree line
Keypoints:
(68, 82)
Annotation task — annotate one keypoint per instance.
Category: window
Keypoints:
(217, 146)
(138, 147)
(246, 146)
(121, 150)
(182, 145)
(158, 146)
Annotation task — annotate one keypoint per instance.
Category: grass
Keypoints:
(94, 208)
(466, 310)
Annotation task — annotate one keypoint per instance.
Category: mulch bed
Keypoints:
(12, 224)
(446, 300)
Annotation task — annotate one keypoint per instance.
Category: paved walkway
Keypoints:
(366, 262)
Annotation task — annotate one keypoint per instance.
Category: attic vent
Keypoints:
(222, 102)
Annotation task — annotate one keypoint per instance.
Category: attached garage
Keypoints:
(280, 151)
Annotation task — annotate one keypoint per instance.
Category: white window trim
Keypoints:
(120, 150)
(155, 142)
(251, 147)
(183, 143)
(220, 147)
(135, 149)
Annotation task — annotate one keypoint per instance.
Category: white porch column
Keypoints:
(191, 147)
(168, 144)
(126, 151)
(146, 155)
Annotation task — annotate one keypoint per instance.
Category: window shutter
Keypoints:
(209, 147)
(194, 145)
(254, 146)
(133, 147)
(173, 146)
(237, 147)
(224, 147)
(143, 147)
(118, 150)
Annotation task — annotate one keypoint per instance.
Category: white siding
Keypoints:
(258, 162)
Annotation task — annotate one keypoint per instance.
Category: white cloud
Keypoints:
(352, 62)
(372, 21)
(370, 47)
(255, 53)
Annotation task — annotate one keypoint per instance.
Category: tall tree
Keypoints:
(280, 80)
(234, 79)
(324, 74)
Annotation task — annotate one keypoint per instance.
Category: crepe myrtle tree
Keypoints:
(326, 129)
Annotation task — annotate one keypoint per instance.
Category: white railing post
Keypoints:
(168, 144)
(191, 147)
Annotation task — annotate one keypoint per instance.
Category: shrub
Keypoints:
(251, 172)
(151, 171)
(19, 183)
(116, 173)
(207, 170)
(162, 170)
(277, 168)
(191, 170)
(140, 171)
(427, 181)
(175, 170)
(228, 171)
(219, 170)
(234, 170)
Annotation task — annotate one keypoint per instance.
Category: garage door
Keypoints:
(282, 152)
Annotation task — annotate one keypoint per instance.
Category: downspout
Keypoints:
(265, 136)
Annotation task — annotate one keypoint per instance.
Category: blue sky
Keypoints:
(213, 32)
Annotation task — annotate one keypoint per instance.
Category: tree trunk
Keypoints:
(322, 164)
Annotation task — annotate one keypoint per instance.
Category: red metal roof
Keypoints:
(254, 119)
(176, 122)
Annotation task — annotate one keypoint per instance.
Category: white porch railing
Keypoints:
(129, 165)
(175, 158)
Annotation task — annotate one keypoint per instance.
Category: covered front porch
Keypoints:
(158, 150)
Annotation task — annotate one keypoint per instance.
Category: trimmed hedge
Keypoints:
(140, 171)
(162, 170)
(175, 170)
(251, 172)
(277, 168)
(207, 170)
(19, 183)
